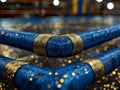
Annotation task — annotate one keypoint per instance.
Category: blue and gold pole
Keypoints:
(26, 76)
(78, 76)
(58, 45)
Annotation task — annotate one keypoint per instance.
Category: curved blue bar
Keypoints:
(95, 37)
(41, 80)
(3, 62)
(59, 46)
(76, 76)
(23, 40)
(79, 75)
(110, 59)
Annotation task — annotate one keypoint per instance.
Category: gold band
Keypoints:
(11, 69)
(97, 67)
(40, 44)
(77, 42)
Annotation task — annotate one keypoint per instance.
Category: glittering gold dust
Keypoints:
(69, 61)
(61, 80)
(73, 74)
(56, 73)
(50, 73)
(30, 78)
(59, 85)
(2, 33)
(65, 76)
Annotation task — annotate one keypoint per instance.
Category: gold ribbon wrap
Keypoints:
(97, 66)
(40, 43)
(77, 42)
(11, 68)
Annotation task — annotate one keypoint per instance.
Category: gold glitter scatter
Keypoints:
(65, 76)
(56, 73)
(61, 80)
(73, 74)
(50, 73)
(77, 56)
(2, 33)
(59, 85)
(113, 72)
(63, 64)
(31, 79)
(69, 61)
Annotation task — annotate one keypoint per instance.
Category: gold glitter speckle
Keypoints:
(65, 76)
(31, 79)
(56, 73)
(61, 80)
(59, 85)
(73, 74)
(50, 73)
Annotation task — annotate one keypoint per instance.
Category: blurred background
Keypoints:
(60, 7)
(61, 17)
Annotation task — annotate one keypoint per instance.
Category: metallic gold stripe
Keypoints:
(11, 68)
(97, 67)
(77, 42)
(40, 44)
(75, 6)
(84, 6)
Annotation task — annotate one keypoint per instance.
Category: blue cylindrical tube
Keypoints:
(58, 45)
(78, 76)
(26, 76)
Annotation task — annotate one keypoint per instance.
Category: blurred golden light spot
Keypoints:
(59, 85)
(56, 73)
(31, 79)
(62, 80)
(65, 76)
(50, 73)
(69, 61)
(73, 74)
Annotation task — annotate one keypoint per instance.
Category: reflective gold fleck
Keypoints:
(50, 73)
(2, 33)
(69, 61)
(65, 76)
(61, 80)
(31, 79)
(56, 73)
(59, 85)
(73, 74)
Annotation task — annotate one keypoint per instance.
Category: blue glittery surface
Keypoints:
(59, 46)
(79, 75)
(84, 76)
(41, 79)
(23, 40)
(94, 37)
(110, 59)
(3, 62)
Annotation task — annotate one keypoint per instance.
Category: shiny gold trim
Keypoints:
(77, 42)
(40, 43)
(97, 67)
(11, 69)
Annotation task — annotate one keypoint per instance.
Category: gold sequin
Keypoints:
(65, 76)
(61, 80)
(50, 73)
(59, 85)
(73, 74)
